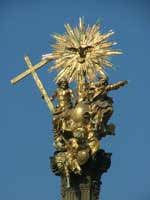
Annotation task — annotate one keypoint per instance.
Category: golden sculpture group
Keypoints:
(80, 117)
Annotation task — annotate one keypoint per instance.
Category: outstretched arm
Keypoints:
(116, 86)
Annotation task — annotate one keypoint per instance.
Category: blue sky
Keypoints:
(26, 132)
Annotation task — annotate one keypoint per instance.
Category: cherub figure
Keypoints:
(66, 100)
(64, 95)
(70, 158)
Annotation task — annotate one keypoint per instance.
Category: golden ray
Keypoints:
(81, 51)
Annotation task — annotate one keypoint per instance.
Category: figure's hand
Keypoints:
(125, 82)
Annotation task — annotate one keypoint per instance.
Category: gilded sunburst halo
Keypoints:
(81, 52)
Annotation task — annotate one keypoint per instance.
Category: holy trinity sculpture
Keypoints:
(81, 114)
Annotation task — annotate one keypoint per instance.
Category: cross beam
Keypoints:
(32, 70)
(28, 71)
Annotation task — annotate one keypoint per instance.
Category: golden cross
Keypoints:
(32, 70)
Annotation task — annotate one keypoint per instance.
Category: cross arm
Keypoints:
(28, 71)
(32, 70)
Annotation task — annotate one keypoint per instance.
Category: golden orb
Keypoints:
(79, 111)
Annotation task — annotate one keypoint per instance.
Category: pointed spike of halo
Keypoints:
(81, 23)
(114, 43)
(114, 67)
(82, 48)
(111, 31)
